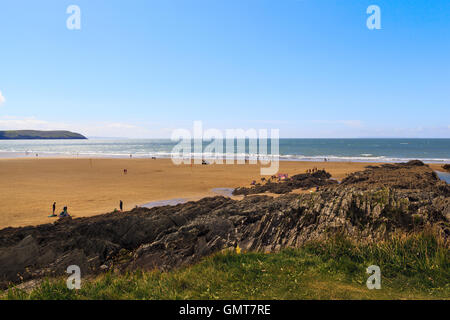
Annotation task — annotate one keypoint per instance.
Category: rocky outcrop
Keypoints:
(446, 167)
(368, 206)
(36, 134)
(300, 181)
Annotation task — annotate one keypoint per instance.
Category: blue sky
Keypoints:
(308, 67)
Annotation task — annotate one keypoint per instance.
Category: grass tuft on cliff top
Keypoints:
(412, 266)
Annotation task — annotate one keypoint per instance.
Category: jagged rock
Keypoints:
(300, 181)
(15, 259)
(369, 205)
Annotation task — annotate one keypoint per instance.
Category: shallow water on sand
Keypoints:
(162, 203)
(445, 176)
(226, 192)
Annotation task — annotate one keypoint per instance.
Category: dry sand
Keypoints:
(93, 186)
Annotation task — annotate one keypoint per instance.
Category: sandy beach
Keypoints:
(88, 187)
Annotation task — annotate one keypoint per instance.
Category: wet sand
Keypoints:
(88, 187)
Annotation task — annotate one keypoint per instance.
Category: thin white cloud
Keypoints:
(2, 98)
(347, 123)
(307, 129)
(12, 123)
(118, 125)
(94, 129)
(272, 122)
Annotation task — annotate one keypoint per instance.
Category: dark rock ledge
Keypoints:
(369, 205)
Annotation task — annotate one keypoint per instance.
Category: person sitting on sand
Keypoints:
(64, 213)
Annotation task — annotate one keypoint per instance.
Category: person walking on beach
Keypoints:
(121, 205)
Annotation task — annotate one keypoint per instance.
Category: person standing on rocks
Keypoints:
(121, 205)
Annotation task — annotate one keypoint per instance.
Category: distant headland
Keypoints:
(37, 134)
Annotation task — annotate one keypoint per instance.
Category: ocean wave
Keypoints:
(212, 156)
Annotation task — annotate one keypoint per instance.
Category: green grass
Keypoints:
(413, 267)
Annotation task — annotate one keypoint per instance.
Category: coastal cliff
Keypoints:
(370, 205)
(37, 134)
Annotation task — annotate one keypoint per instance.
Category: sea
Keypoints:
(360, 150)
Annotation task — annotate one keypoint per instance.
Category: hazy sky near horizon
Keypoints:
(311, 68)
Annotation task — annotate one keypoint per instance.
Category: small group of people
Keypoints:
(312, 170)
(62, 214)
